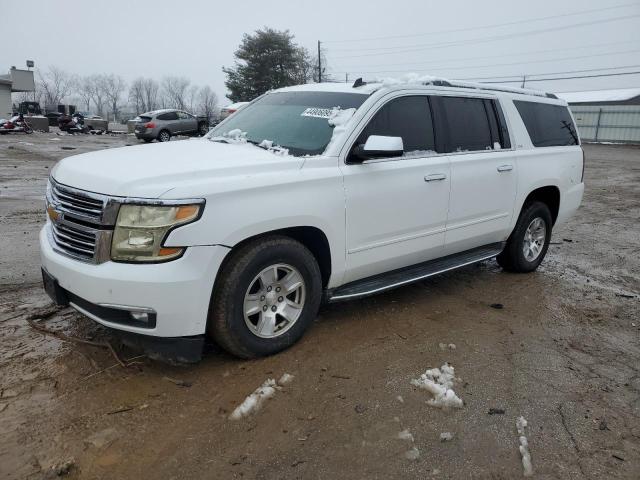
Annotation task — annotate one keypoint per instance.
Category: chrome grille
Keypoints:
(78, 204)
(80, 242)
(80, 222)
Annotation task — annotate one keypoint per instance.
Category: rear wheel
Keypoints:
(528, 243)
(203, 129)
(164, 136)
(266, 296)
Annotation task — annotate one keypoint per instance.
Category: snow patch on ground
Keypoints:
(446, 436)
(255, 400)
(521, 424)
(439, 382)
(406, 435)
(412, 454)
(400, 399)
(444, 346)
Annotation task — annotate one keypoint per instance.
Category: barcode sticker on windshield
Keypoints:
(317, 112)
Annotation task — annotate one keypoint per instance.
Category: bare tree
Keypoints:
(174, 91)
(151, 88)
(136, 95)
(208, 103)
(113, 86)
(85, 87)
(192, 98)
(55, 85)
(97, 92)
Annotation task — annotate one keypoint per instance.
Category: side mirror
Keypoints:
(378, 146)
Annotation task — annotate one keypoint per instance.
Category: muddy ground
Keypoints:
(564, 352)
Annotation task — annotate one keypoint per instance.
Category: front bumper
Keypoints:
(177, 292)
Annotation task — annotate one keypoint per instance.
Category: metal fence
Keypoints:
(615, 123)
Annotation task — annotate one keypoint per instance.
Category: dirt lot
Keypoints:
(564, 352)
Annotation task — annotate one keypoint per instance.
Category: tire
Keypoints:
(203, 129)
(241, 278)
(164, 136)
(513, 258)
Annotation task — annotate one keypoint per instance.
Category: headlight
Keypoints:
(141, 229)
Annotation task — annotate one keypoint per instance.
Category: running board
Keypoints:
(403, 276)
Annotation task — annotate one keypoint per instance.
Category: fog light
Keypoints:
(140, 316)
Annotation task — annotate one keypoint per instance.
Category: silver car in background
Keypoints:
(229, 109)
(161, 125)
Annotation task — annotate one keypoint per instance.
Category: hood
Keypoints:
(148, 171)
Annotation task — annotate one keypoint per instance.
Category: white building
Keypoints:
(15, 81)
(606, 115)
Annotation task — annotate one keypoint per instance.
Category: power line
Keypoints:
(499, 64)
(517, 22)
(485, 39)
(552, 73)
(519, 54)
(565, 78)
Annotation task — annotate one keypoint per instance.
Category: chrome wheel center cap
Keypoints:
(271, 298)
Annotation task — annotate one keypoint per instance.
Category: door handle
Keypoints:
(435, 177)
(505, 168)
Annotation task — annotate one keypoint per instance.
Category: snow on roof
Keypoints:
(332, 87)
(235, 106)
(618, 95)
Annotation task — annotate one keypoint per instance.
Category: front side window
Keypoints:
(548, 125)
(406, 117)
(296, 121)
(183, 116)
(465, 124)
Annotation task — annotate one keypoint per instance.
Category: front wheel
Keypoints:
(266, 296)
(528, 243)
(203, 129)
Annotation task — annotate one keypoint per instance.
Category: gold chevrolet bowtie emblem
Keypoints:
(53, 214)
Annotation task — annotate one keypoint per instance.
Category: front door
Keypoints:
(396, 208)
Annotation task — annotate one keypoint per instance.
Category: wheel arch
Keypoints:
(311, 237)
(549, 195)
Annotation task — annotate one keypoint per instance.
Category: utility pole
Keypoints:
(524, 80)
(319, 64)
(346, 78)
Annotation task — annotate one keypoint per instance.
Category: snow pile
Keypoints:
(236, 136)
(270, 146)
(338, 120)
(406, 435)
(255, 400)
(412, 454)
(439, 382)
(285, 379)
(411, 79)
(446, 436)
(521, 424)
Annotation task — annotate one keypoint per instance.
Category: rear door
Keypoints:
(169, 121)
(187, 122)
(473, 133)
(396, 208)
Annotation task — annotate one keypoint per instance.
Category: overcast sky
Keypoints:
(196, 38)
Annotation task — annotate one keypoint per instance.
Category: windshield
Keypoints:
(296, 121)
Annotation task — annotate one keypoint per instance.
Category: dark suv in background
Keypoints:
(161, 125)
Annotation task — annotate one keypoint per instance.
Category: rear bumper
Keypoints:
(146, 135)
(177, 292)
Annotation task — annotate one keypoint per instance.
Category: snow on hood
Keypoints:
(149, 171)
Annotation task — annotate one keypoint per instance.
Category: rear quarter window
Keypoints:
(548, 125)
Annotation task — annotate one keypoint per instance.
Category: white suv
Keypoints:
(312, 193)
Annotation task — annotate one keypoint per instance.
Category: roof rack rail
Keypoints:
(485, 86)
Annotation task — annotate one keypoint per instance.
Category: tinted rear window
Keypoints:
(465, 124)
(547, 125)
(168, 116)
